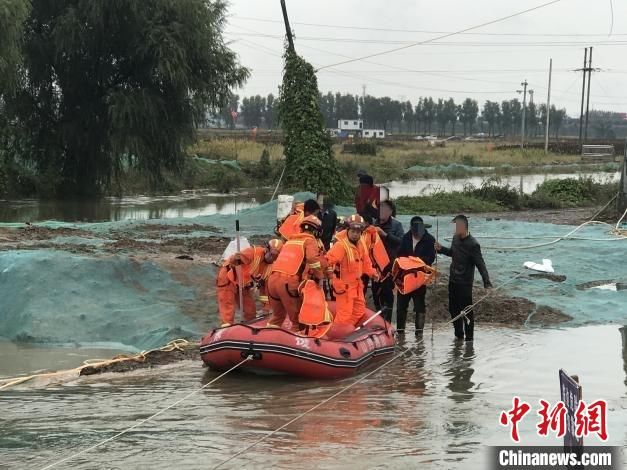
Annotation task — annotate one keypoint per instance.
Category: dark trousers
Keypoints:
(460, 297)
(383, 297)
(402, 304)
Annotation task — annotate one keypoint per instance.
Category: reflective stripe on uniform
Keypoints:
(288, 261)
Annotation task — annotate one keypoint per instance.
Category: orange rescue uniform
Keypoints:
(347, 262)
(254, 269)
(375, 248)
(299, 259)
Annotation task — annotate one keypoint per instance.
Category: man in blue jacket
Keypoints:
(417, 242)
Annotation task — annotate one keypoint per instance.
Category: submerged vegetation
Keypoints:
(493, 195)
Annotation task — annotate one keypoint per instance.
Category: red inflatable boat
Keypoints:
(276, 350)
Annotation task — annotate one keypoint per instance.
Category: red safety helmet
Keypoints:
(312, 224)
(356, 222)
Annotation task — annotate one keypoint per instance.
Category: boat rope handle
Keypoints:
(145, 420)
(359, 380)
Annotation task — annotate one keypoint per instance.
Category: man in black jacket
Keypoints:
(328, 218)
(417, 242)
(465, 254)
(391, 232)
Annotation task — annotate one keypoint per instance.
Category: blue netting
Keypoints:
(581, 261)
(58, 297)
(55, 297)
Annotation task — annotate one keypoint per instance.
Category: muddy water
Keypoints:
(437, 407)
(199, 203)
(529, 183)
(187, 204)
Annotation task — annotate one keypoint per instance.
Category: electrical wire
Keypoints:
(422, 31)
(441, 43)
(444, 36)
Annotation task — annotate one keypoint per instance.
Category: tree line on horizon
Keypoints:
(428, 116)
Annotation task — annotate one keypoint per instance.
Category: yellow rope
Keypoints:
(174, 345)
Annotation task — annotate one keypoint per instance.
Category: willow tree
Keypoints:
(111, 83)
(310, 164)
(12, 16)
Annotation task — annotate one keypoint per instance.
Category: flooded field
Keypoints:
(96, 290)
(528, 183)
(203, 203)
(186, 204)
(435, 407)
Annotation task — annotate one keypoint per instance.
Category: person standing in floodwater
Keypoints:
(465, 253)
(391, 232)
(420, 243)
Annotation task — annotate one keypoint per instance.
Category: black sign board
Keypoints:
(570, 392)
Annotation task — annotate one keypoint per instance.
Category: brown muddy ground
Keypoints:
(553, 216)
(141, 239)
(499, 308)
(150, 360)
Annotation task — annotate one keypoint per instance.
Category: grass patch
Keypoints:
(444, 203)
(195, 174)
(493, 195)
(233, 149)
(571, 192)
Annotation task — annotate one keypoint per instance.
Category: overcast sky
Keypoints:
(487, 63)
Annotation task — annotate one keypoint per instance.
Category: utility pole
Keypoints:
(548, 110)
(363, 102)
(288, 30)
(583, 91)
(522, 133)
(585, 134)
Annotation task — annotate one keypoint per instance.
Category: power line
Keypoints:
(389, 51)
(421, 31)
(440, 44)
(399, 68)
(355, 74)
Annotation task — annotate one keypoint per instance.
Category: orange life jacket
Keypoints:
(291, 225)
(291, 260)
(411, 273)
(348, 260)
(314, 312)
(375, 248)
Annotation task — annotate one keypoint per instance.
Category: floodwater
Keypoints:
(529, 183)
(186, 204)
(436, 407)
(201, 203)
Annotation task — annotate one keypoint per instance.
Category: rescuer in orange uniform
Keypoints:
(291, 224)
(301, 258)
(376, 250)
(256, 265)
(348, 259)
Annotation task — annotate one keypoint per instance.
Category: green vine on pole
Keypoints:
(310, 164)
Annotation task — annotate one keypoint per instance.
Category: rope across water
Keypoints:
(463, 313)
(145, 420)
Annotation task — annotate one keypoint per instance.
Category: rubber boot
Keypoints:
(401, 320)
(420, 323)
